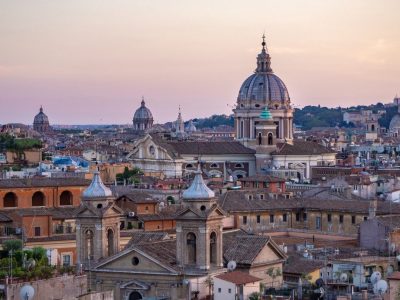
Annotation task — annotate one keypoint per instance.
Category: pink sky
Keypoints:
(91, 61)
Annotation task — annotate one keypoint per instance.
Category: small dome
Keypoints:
(198, 189)
(266, 114)
(41, 117)
(41, 122)
(96, 189)
(143, 113)
(395, 123)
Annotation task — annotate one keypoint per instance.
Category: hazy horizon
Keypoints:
(91, 62)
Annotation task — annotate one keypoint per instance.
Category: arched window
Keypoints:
(239, 165)
(110, 241)
(10, 200)
(259, 138)
(189, 166)
(214, 165)
(270, 138)
(372, 127)
(191, 248)
(213, 248)
(89, 244)
(66, 198)
(38, 199)
(135, 296)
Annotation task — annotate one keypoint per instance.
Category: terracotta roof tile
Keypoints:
(238, 277)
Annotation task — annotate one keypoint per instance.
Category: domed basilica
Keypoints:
(263, 89)
(143, 118)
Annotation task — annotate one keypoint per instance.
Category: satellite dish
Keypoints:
(231, 265)
(186, 281)
(375, 277)
(343, 277)
(380, 287)
(27, 292)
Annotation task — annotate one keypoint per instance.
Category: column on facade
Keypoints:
(251, 128)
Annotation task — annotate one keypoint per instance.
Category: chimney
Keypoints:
(373, 205)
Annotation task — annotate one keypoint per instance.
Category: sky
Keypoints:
(91, 61)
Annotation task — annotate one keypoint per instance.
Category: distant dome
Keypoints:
(143, 118)
(198, 189)
(395, 123)
(41, 122)
(264, 86)
(96, 189)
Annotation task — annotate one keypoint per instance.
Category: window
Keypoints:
(284, 217)
(229, 291)
(239, 166)
(66, 198)
(329, 218)
(152, 150)
(250, 197)
(66, 260)
(191, 248)
(10, 200)
(244, 220)
(146, 208)
(37, 231)
(135, 261)
(38, 199)
(261, 197)
(353, 219)
(270, 139)
(271, 218)
(318, 223)
(189, 166)
(258, 219)
(203, 208)
(297, 217)
(340, 218)
(219, 290)
(365, 218)
(304, 216)
(214, 165)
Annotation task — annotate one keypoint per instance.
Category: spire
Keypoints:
(143, 104)
(263, 59)
(41, 109)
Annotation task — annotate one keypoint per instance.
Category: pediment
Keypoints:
(189, 213)
(134, 260)
(86, 212)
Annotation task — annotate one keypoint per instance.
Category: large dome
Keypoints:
(264, 86)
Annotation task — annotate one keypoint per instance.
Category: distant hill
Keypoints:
(213, 121)
(318, 116)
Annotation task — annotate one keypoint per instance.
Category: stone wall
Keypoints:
(63, 287)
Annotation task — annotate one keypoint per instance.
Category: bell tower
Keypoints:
(97, 223)
(265, 138)
(199, 228)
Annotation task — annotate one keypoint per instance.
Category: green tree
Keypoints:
(13, 245)
(254, 296)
